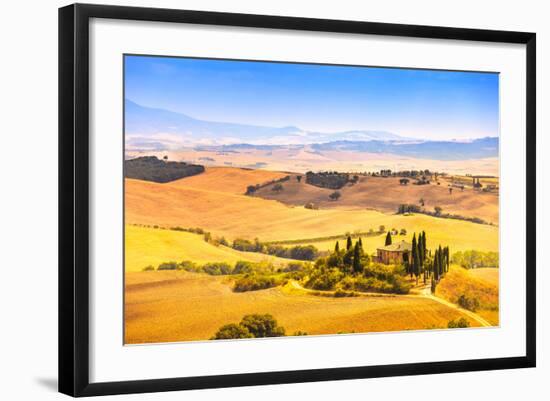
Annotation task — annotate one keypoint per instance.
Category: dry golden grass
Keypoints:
(477, 283)
(227, 179)
(178, 306)
(386, 194)
(149, 246)
(233, 215)
(489, 274)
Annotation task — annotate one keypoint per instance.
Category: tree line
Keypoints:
(299, 252)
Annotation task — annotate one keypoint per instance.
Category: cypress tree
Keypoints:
(416, 266)
(348, 244)
(420, 253)
(433, 286)
(388, 239)
(440, 261)
(337, 247)
(436, 266)
(414, 255)
(424, 248)
(360, 244)
(357, 267)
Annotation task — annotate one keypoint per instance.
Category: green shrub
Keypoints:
(262, 326)
(459, 323)
(254, 282)
(168, 266)
(324, 278)
(217, 268)
(293, 267)
(148, 268)
(470, 303)
(231, 331)
(243, 266)
(189, 266)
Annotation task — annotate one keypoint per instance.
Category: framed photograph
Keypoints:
(250, 199)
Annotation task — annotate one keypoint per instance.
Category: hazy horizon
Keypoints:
(421, 104)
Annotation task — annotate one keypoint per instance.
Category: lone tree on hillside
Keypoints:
(335, 195)
(421, 201)
(438, 210)
(404, 181)
(277, 188)
(298, 178)
(388, 239)
(382, 229)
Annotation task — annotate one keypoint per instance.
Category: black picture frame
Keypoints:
(74, 198)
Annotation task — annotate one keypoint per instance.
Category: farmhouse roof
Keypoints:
(397, 247)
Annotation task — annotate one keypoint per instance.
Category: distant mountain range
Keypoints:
(150, 129)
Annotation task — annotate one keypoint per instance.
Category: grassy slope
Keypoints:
(386, 194)
(179, 306)
(227, 179)
(479, 283)
(250, 217)
(148, 246)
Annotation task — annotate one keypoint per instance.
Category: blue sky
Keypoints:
(414, 103)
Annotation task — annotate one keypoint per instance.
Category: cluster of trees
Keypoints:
(472, 259)
(150, 168)
(408, 208)
(254, 282)
(251, 326)
(328, 179)
(299, 252)
(251, 189)
(350, 269)
(252, 276)
(405, 173)
(216, 268)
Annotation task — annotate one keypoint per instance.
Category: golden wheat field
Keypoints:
(167, 306)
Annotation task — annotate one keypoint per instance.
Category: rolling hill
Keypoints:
(386, 194)
(235, 215)
(148, 246)
(179, 306)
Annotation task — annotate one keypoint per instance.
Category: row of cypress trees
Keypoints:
(422, 263)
